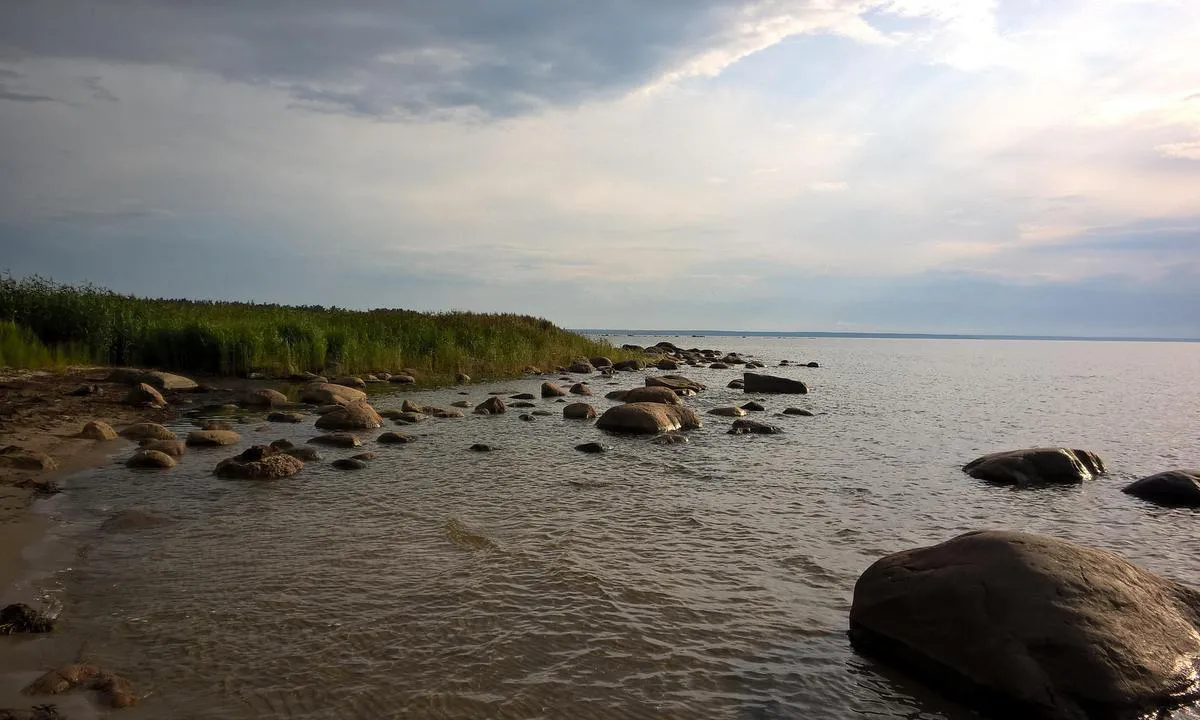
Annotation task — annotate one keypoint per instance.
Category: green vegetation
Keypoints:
(43, 323)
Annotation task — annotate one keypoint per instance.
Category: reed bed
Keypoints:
(44, 323)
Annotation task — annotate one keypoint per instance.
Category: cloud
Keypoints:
(1180, 150)
(825, 186)
(7, 93)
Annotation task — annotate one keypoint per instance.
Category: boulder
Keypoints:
(581, 366)
(581, 389)
(144, 458)
(579, 411)
(354, 416)
(410, 418)
(212, 438)
(523, 396)
(461, 403)
(1174, 488)
(732, 359)
(283, 444)
(736, 384)
(22, 459)
(678, 383)
(812, 365)
(326, 409)
(523, 404)
(394, 438)
(752, 427)
(343, 440)
(115, 691)
(666, 345)
(174, 448)
(285, 417)
(590, 447)
(754, 406)
(783, 363)
(629, 365)
(798, 411)
(365, 456)
(727, 412)
(261, 462)
(492, 406)
(648, 418)
(1036, 466)
(758, 383)
(718, 366)
(263, 397)
(350, 381)
(550, 390)
(402, 379)
(410, 406)
(526, 417)
(1033, 626)
(143, 395)
(462, 378)
(303, 454)
(349, 464)
(20, 618)
(671, 438)
(667, 364)
(543, 413)
(98, 430)
(330, 394)
(306, 377)
(445, 414)
(600, 361)
(216, 426)
(481, 447)
(154, 378)
(631, 347)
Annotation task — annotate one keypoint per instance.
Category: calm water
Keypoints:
(709, 580)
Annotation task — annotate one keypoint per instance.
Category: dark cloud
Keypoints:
(8, 93)
(380, 57)
(99, 92)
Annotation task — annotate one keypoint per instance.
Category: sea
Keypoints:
(710, 579)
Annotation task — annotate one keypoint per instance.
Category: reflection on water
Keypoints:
(706, 580)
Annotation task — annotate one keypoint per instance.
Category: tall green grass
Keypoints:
(47, 323)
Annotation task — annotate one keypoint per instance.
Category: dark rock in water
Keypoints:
(523, 404)
(657, 393)
(20, 618)
(752, 427)
(1036, 466)
(1174, 488)
(23, 459)
(581, 389)
(326, 409)
(304, 454)
(255, 453)
(718, 366)
(492, 406)
(798, 411)
(667, 364)
(410, 418)
(144, 458)
(736, 384)
(402, 379)
(579, 411)
(394, 438)
(212, 438)
(269, 465)
(549, 390)
(481, 447)
(754, 406)
(37, 712)
(523, 396)
(678, 383)
(648, 417)
(132, 519)
(282, 444)
(364, 456)
(590, 447)
(629, 365)
(526, 417)
(600, 362)
(330, 394)
(285, 417)
(581, 366)
(543, 413)
(98, 430)
(632, 347)
(144, 396)
(783, 363)
(458, 404)
(356, 415)
(812, 365)
(1033, 627)
(670, 438)
(217, 426)
(667, 345)
(84, 390)
(263, 397)
(114, 690)
(174, 448)
(344, 440)
(758, 383)
(348, 464)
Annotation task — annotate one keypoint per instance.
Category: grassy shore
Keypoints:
(47, 324)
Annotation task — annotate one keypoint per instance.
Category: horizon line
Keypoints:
(876, 335)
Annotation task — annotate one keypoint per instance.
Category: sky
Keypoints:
(977, 166)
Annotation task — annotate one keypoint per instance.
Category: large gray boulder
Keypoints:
(353, 416)
(759, 383)
(648, 418)
(330, 394)
(1033, 626)
(154, 378)
(678, 383)
(1174, 488)
(1036, 466)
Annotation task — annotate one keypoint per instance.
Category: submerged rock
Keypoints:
(212, 438)
(1036, 466)
(116, 691)
(481, 447)
(579, 411)
(144, 458)
(343, 440)
(285, 417)
(393, 438)
(736, 384)
(349, 464)
(523, 396)
(261, 462)
(590, 447)
(757, 383)
(754, 407)
(23, 459)
(549, 390)
(350, 381)
(581, 389)
(658, 394)
(798, 411)
(523, 404)
(461, 404)
(1033, 626)
(648, 417)
(304, 454)
(492, 406)
(671, 438)
(727, 412)
(330, 394)
(263, 397)
(678, 383)
(154, 378)
(1174, 488)
(174, 448)
(526, 417)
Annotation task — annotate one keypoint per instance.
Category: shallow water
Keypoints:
(706, 580)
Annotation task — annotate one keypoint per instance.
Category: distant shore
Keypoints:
(617, 332)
